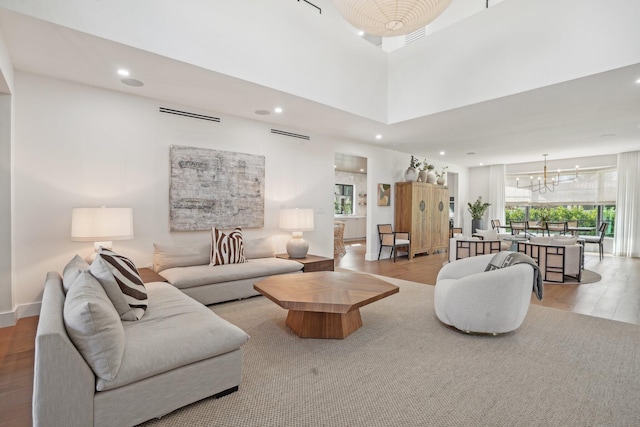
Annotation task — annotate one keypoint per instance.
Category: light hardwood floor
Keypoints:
(616, 296)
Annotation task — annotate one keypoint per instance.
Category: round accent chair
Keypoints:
(474, 301)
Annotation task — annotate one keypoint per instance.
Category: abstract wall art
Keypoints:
(213, 188)
(384, 194)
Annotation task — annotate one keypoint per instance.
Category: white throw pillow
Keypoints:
(258, 248)
(121, 281)
(94, 326)
(487, 234)
(226, 249)
(170, 256)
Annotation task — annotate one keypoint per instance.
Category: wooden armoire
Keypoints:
(423, 210)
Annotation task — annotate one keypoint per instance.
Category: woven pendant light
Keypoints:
(390, 18)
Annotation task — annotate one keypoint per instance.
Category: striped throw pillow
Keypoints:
(226, 249)
(121, 281)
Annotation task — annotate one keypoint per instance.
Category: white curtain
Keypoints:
(496, 193)
(627, 227)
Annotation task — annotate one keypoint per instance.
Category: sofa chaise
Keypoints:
(93, 369)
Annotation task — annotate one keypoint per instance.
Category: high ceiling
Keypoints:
(594, 115)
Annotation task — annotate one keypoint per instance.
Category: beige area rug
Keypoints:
(588, 276)
(404, 368)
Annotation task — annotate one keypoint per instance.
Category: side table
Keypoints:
(311, 262)
(148, 275)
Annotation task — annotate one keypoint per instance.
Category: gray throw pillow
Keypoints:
(72, 270)
(94, 326)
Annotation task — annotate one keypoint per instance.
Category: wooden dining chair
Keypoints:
(495, 224)
(393, 239)
(518, 226)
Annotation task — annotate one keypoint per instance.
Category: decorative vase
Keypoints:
(476, 224)
(440, 181)
(431, 177)
(422, 176)
(410, 175)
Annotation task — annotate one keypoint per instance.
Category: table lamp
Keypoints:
(296, 221)
(101, 226)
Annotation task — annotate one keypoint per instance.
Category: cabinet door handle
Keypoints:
(422, 205)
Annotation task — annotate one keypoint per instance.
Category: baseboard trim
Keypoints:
(10, 318)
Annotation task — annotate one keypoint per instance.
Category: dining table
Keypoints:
(578, 230)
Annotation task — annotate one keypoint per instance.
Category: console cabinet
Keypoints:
(423, 210)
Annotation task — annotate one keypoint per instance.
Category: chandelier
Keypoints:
(390, 18)
(542, 186)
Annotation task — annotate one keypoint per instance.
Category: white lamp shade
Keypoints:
(296, 219)
(93, 224)
(390, 18)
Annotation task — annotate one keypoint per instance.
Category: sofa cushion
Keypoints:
(72, 270)
(226, 249)
(170, 256)
(175, 331)
(122, 282)
(258, 248)
(94, 326)
(565, 240)
(187, 277)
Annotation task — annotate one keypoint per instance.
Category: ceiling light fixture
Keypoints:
(390, 18)
(542, 186)
(278, 110)
(442, 153)
(123, 72)
(378, 136)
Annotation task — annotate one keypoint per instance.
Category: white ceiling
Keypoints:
(594, 115)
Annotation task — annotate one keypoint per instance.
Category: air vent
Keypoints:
(417, 34)
(188, 114)
(289, 134)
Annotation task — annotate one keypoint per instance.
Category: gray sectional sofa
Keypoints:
(94, 369)
(179, 352)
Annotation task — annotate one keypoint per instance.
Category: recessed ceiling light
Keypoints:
(442, 153)
(262, 112)
(123, 72)
(132, 82)
(638, 81)
(361, 170)
(378, 136)
(361, 33)
(481, 164)
(278, 110)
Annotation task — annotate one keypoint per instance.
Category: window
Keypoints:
(589, 200)
(343, 199)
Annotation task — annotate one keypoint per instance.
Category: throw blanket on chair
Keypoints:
(507, 258)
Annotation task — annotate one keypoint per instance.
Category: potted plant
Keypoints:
(477, 210)
(441, 175)
(411, 174)
(427, 172)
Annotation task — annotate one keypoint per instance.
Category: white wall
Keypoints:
(82, 146)
(6, 87)
(517, 46)
(281, 44)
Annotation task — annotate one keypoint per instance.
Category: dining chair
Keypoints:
(599, 239)
(393, 239)
(495, 224)
(557, 227)
(518, 226)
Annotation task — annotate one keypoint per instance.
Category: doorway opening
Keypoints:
(350, 200)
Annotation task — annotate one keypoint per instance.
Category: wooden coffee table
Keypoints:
(324, 304)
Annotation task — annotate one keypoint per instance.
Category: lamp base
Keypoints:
(297, 247)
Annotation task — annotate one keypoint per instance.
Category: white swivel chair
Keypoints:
(472, 300)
